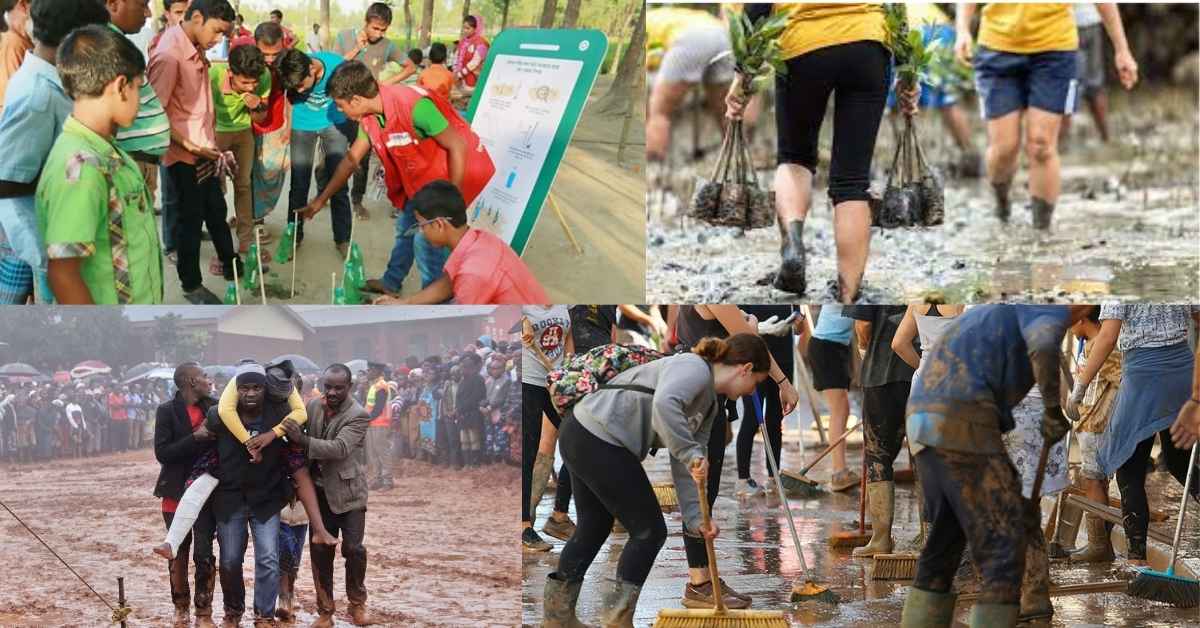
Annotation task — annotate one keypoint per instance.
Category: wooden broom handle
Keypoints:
(714, 577)
(846, 432)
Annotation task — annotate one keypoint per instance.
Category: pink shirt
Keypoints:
(486, 271)
(179, 74)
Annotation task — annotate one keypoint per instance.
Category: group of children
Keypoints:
(77, 200)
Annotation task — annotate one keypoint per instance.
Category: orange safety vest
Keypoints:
(373, 397)
(410, 162)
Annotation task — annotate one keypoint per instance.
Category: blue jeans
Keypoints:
(430, 259)
(170, 208)
(232, 536)
(291, 547)
(336, 141)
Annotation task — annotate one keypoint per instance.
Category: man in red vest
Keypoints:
(419, 138)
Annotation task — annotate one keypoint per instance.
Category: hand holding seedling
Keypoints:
(736, 99)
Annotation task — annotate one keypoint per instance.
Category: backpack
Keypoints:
(588, 372)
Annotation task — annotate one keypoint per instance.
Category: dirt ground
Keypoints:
(434, 557)
(756, 555)
(602, 201)
(1125, 227)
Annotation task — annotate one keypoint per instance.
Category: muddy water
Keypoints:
(756, 556)
(1127, 224)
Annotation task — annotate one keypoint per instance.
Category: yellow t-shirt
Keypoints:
(925, 13)
(1028, 28)
(664, 25)
(813, 25)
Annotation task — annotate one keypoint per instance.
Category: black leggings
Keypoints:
(534, 401)
(609, 482)
(1131, 481)
(857, 75)
(693, 543)
(883, 407)
(767, 391)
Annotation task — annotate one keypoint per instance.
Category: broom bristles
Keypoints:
(895, 566)
(1167, 588)
(799, 486)
(813, 592)
(710, 618)
(668, 499)
(849, 538)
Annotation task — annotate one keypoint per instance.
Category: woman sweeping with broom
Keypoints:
(828, 49)
(673, 403)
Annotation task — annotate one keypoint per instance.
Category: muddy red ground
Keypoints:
(437, 556)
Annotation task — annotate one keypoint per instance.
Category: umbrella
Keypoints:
(18, 369)
(301, 363)
(162, 372)
(214, 371)
(90, 368)
(356, 365)
(143, 367)
(62, 377)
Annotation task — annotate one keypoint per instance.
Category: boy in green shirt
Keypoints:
(92, 205)
(239, 91)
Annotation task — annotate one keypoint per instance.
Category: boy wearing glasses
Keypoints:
(481, 270)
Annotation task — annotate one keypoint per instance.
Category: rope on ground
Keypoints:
(118, 614)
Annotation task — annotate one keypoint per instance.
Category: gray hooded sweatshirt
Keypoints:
(678, 416)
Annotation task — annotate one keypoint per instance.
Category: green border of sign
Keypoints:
(568, 41)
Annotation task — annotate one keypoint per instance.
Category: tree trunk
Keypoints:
(549, 8)
(504, 15)
(632, 65)
(426, 24)
(408, 24)
(325, 39)
(466, 9)
(571, 15)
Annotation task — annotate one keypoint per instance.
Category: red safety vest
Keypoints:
(379, 394)
(410, 162)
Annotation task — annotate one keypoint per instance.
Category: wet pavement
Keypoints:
(756, 555)
(1126, 226)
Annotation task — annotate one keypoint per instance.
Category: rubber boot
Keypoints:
(1043, 212)
(993, 615)
(558, 602)
(543, 464)
(618, 605)
(1035, 584)
(1099, 547)
(206, 583)
(790, 277)
(926, 609)
(1003, 204)
(880, 501)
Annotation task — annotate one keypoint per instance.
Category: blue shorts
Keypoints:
(932, 96)
(1009, 82)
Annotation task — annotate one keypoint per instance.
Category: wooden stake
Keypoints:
(262, 278)
(332, 288)
(237, 289)
(121, 597)
(295, 248)
(562, 220)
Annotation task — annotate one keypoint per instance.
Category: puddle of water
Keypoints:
(1127, 225)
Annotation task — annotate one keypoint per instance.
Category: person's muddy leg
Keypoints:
(942, 553)
(955, 121)
(1035, 582)
(1041, 151)
(665, 99)
(1135, 510)
(1004, 136)
(852, 234)
(987, 500)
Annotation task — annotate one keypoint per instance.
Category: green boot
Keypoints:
(881, 499)
(619, 604)
(924, 609)
(994, 615)
(559, 603)
(543, 465)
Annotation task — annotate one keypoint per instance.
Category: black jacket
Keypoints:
(472, 391)
(264, 486)
(174, 446)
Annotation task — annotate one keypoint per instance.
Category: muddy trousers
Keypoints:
(883, 407)
(768, 391)
(609, 482)
(975, 500)
(693, 543)
(206, 564)
(1131, 481)
(351, 526)
(379, 454)
(535, 400)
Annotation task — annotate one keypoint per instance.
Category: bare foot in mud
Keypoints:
(164, 550)
(324, 538)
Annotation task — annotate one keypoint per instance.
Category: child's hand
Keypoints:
(252, 100)
(389, 300)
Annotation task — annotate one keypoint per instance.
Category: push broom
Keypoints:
(800, 486)
(719, 616)
(1166, 586)
(809, 590)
